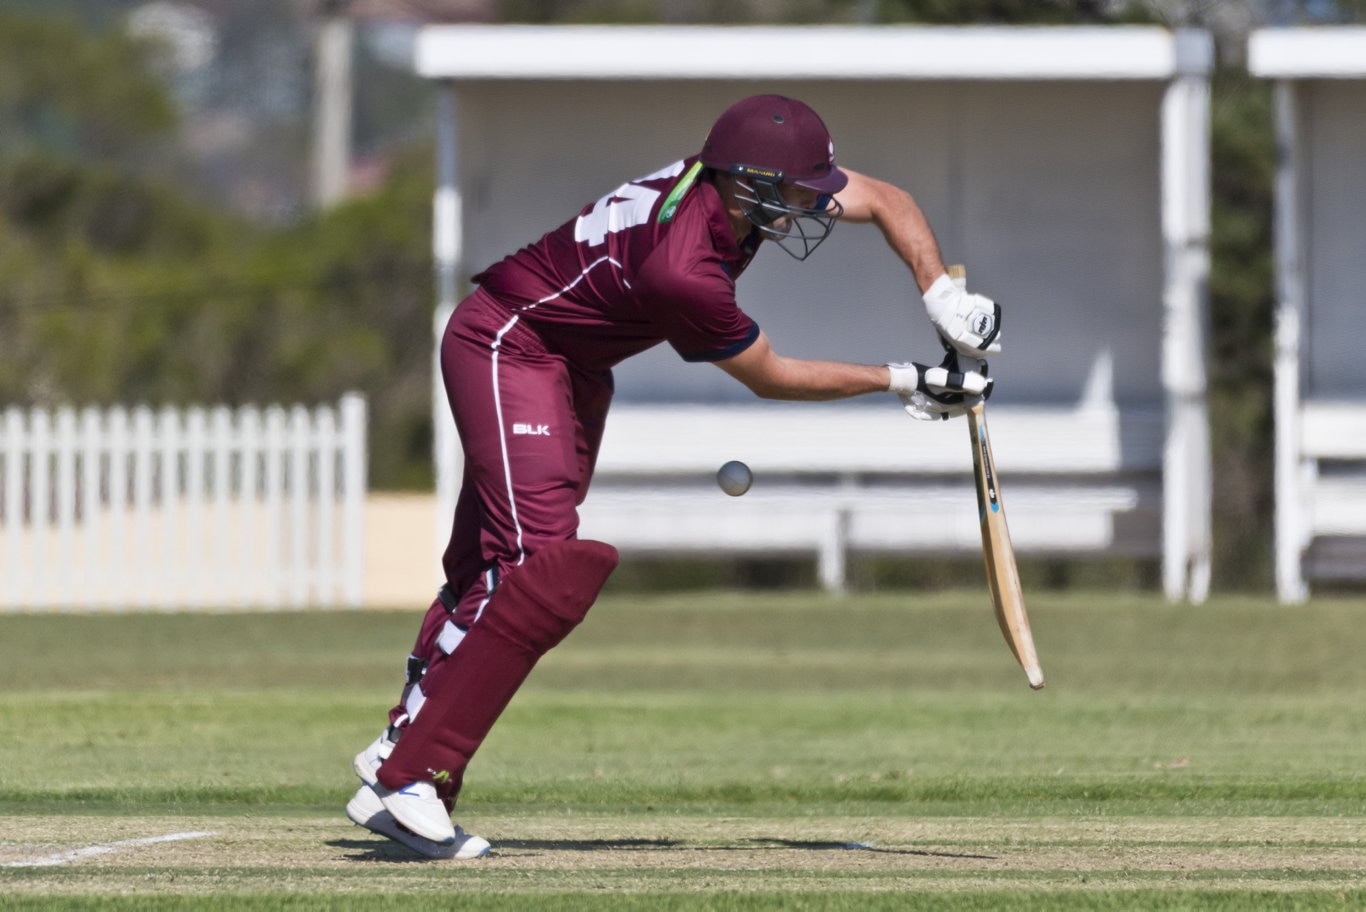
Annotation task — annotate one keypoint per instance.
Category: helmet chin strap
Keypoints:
(770, 206)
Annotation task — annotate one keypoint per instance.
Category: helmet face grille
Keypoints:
(798, 231)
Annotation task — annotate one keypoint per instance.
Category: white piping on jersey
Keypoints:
(503, 440)
(579, 278)
(488, 593)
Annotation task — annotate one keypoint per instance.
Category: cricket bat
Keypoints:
(1003, 577)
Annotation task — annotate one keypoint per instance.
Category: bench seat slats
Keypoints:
(831, 479)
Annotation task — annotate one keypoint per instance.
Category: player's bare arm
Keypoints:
(770, 375)
(968, 322)
(928, 393)
(900, 219)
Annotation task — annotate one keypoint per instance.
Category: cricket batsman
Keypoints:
(527, 361)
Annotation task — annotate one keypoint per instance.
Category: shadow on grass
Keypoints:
(392, 851)
(823, 846)
(378, 849)
(746, 845)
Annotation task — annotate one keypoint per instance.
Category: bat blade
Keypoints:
(1003, 577)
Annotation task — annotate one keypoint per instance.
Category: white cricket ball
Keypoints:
(734, 478)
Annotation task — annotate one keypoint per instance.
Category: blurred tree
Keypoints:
(1241, 300)
(114, 289)
(345, 302)
(63, 91)
(117, 286)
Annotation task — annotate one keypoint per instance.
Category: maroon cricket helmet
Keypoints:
(778, 134)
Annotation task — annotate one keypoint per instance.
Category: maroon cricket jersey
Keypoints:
(653, 261)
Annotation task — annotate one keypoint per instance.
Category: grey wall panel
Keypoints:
(1336, 182)
(1049, 191)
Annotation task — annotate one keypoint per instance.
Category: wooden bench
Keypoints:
(1326, 505)
(831, 480)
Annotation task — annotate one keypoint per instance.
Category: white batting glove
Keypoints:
(971, 323)
(943, 392)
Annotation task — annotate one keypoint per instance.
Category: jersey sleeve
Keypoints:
(699, 316)
(693, 304)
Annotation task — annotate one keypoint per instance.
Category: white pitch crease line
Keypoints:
(62, 858)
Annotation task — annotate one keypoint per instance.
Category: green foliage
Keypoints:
(1241, 300)
(64, 91)
(117, 285)
(108, 210)
(118, 289)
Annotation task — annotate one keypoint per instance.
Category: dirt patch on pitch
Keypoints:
(251, 854)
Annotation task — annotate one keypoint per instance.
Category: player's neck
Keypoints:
(740, 225)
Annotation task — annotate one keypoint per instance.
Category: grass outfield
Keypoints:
(708, 751)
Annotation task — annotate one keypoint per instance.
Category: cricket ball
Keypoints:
(734, 478)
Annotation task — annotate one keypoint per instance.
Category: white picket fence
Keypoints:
(214, 508)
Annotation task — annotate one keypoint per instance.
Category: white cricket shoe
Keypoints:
(418, 807)
(367, 761)
(366, 810)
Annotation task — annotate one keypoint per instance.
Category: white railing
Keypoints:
(218, 508)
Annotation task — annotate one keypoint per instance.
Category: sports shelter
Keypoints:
(1320, 374)
(1067, 167)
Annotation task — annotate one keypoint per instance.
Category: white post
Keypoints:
(833, 552)
(249, 503)
(117, 427)
(196, 443)
(447, 244)
(168, 498)
(66, 499)
(298, 506)
(1187, 495)
(13, 453)
(144, 563)
(1292, 527)
(92, 586)
(40, 499)
(275, 465)
(220, 582)
(332, 107)
(354, 472)
(327, 553)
